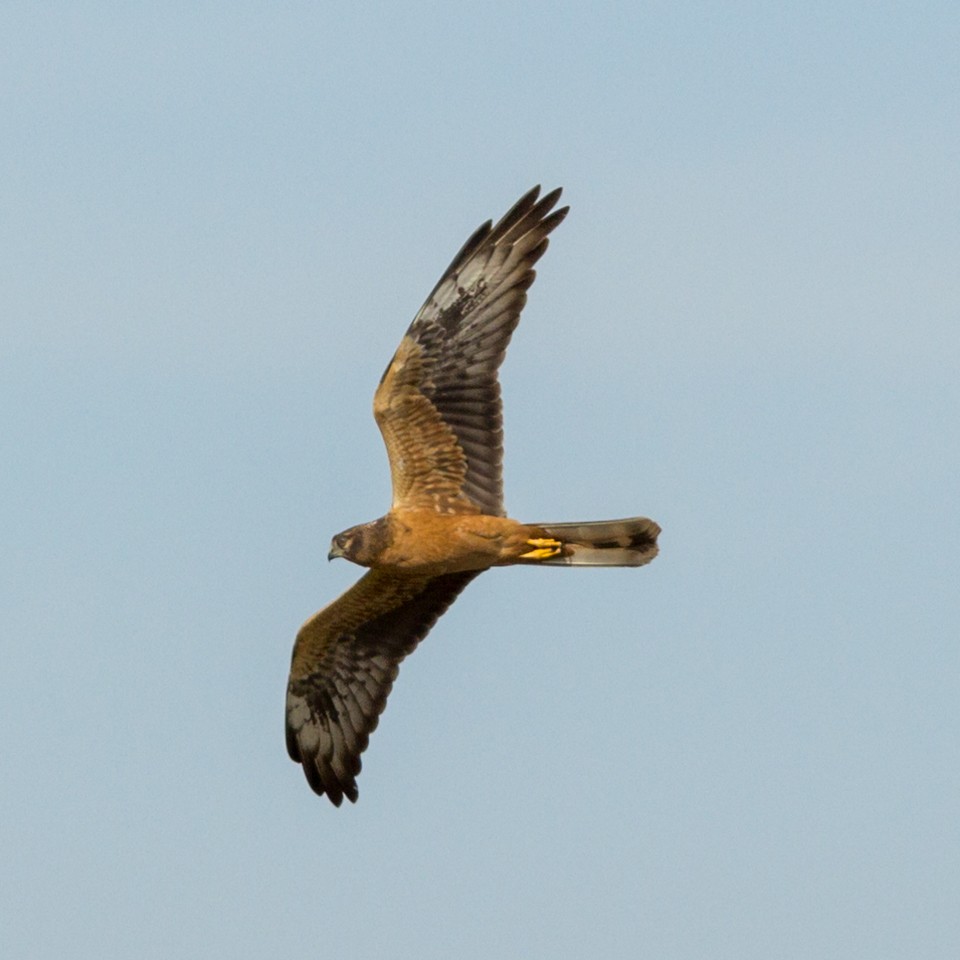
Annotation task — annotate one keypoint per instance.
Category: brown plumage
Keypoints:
(438, 408)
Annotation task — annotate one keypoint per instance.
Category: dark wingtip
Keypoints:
(529, 202)
(539, 210)
(324, 783)
(550, 199)
(329, 786)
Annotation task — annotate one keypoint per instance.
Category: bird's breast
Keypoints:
(432, 543)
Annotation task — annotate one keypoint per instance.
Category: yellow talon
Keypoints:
(544, 549)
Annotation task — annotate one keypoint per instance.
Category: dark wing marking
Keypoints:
(440, 395)
(345, 660)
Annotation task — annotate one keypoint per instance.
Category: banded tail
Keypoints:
(603, 543)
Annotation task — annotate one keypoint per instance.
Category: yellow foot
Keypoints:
(543, 549)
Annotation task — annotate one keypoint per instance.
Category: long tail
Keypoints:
(603, 543)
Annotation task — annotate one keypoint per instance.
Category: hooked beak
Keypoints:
(335, 551)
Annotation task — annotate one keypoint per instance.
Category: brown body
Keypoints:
(427, 543)
(438, 408)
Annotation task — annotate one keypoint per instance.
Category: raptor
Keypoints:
(439, 411)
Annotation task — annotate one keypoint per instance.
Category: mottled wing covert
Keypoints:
(344, 663)
(438, 403)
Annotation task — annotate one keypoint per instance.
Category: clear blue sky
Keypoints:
(217, 220)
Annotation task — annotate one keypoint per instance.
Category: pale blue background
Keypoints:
(216, 221)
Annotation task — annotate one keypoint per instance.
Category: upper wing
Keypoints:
(345, 660)
(438, 403)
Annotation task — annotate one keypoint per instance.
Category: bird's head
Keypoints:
(361, 544)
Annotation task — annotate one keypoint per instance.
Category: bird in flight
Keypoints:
(438, 408)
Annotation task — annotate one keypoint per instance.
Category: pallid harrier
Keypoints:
(438, 408)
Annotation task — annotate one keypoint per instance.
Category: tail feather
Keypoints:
(604, 543)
